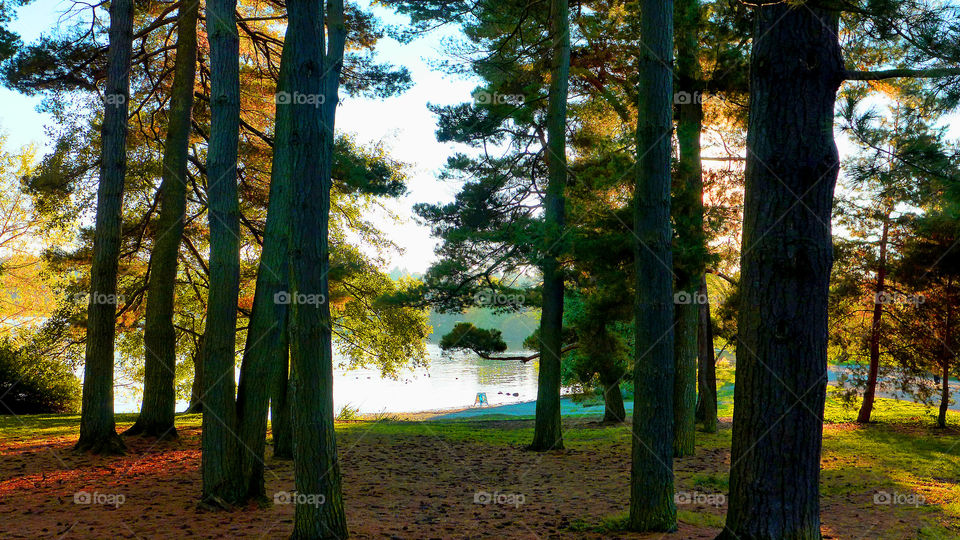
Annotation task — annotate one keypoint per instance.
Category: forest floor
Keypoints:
(897, 478)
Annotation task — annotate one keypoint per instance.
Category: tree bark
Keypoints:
(159, 336)
(547, 434)
(652, 506)
(791, 172)
(948, 358)
(97, 425)
(280, 409)
(944, 396)
(316, 467)
(707, 365)
(196, 389)
(220, 458)
(688, 217)
(869, 394)
(266, 345)
(613, 409)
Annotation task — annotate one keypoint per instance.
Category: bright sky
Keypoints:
(402, 124)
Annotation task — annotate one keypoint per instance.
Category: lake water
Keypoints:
(448, 382)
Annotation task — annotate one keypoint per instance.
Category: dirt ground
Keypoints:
(411, 486)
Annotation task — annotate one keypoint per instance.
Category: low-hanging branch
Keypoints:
(522, 359)
(929, 73)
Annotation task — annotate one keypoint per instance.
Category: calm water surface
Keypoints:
(449, 382)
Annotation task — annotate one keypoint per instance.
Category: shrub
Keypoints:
(32, 384)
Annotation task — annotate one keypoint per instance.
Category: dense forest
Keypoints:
(733, 227)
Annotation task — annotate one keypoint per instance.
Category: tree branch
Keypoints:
(930, 73)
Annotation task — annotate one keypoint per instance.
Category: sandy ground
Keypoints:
(410, 487)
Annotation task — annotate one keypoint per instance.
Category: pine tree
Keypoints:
(651, 480)
(97, 426)
(220, 463)
(159, 336)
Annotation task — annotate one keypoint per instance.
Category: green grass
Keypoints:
(900, 452)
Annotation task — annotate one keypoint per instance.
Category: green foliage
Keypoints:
(31, 383)
(469, 337)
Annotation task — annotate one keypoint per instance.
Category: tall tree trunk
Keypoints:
(159, 336)
(651, 476)
(220, 459)
(791, 171)
(688, 216)
(547, 434)
(97, 426)
(869, 394)
(707, 365)
(266, 345)
(316, 467)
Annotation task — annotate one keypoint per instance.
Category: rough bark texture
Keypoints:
(869, 394)
(547, 433)
(316, 466)
(706, 366)
(791, 172)
(159, 336)
(220, 463)
(651, 480)
(688, 217)
(97, 426)
(266, 346)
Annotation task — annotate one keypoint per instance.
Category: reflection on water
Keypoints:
(449, 382)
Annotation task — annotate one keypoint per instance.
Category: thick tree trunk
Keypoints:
(707, 365)
(316, 467)
(266, 345)
(97, 426)
(791, 172)
(651, 476)
(220, 459)
(159, 336)
(688, 216)
(869, 394)
(547, 433)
